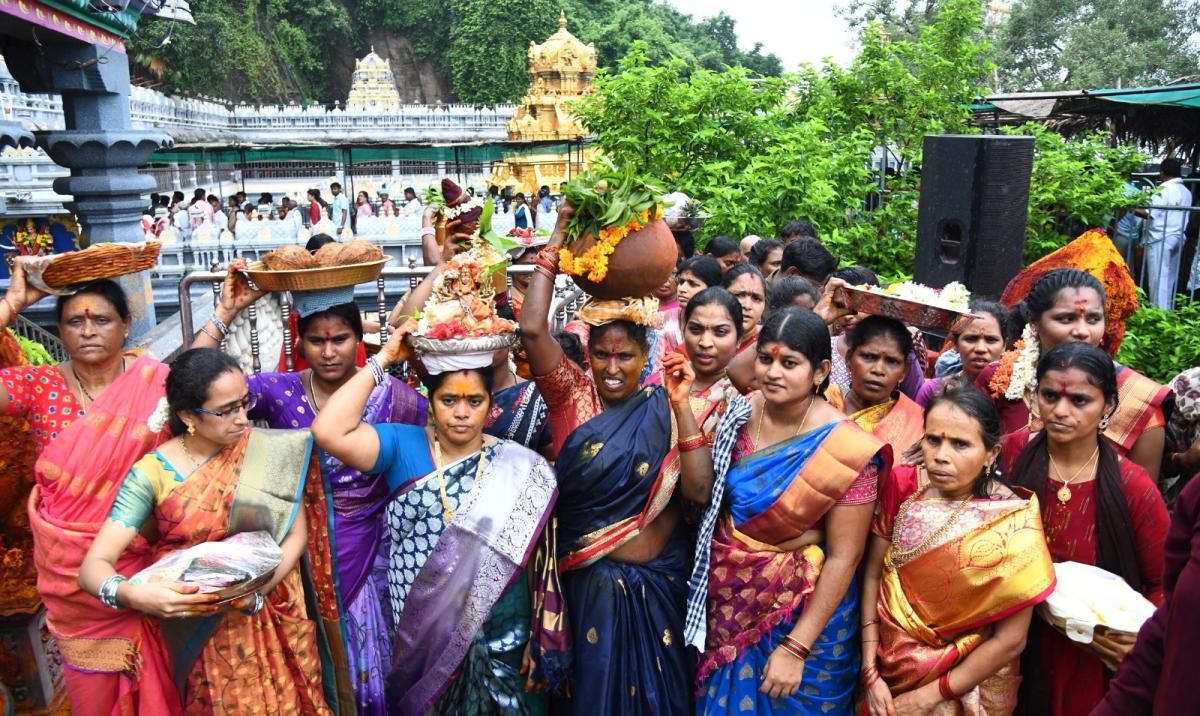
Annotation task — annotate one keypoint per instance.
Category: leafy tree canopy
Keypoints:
(1065, 44)
(760, 153)
(1059, 44)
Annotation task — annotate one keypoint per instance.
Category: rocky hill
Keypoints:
(441, 50)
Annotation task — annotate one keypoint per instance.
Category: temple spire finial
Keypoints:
(562, 18)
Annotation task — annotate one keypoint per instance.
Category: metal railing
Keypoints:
(567, 300)
(29, 330)
(1147, 242)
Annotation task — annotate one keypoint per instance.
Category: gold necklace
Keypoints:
(313, 391)
(196, 464)
(763, 416)
(447, 513)
(83, 387)
(1064, 492)
(893, 556)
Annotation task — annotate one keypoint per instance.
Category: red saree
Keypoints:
(1075, 680)
(115, 659)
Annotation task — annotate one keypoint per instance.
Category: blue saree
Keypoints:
(757, 591)
(617, 472)
(519, 414)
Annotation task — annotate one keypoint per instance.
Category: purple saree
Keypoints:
(356, 513)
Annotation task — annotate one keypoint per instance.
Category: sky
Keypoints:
(795, 30)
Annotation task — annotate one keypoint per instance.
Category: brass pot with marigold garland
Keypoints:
(617, 244)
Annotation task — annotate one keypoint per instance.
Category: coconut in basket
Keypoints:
(617, 244)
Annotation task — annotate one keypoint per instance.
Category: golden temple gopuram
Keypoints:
(373, 86)
(561, 70)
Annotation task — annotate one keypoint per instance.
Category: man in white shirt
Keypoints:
(412, 205)
(293, 217)
(1164, 234)
(339, 208)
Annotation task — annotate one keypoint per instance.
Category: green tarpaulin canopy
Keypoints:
(1167, 116)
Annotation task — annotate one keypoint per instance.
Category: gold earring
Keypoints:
(191, 428)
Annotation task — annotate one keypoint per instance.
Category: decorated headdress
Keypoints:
(598, 312)
(1094, 253)
(459, 327)
(458, 204)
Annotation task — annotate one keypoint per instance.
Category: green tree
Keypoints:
(248, 51)
(486, 56)
(1159, 342)
(806, 145)
(902, 23)
(1056, 44)
(762, 153)
(1077, 183)
(675, 126)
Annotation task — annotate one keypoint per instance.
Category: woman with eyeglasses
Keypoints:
(79, 466)
(214, 478)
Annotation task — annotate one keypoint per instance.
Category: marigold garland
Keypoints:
(593, 264)
(998, 385)
(18, 578)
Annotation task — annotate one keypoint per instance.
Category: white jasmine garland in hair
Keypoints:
(1024, 372)
(160, 417)
(450, 213)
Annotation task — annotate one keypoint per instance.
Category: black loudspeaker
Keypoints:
(973, 210)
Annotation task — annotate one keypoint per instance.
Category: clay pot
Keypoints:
(642, 262)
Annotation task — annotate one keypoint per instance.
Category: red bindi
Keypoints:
(775, 352)
(1081, 306)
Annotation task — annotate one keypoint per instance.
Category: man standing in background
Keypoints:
(339, 208)
(412, 205)
(1164, 234)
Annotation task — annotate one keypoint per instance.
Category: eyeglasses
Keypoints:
(246, 404)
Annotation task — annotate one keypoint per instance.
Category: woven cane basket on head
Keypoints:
(314, 279)
(100, 261)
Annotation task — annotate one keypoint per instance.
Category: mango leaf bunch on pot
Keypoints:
(617, 244)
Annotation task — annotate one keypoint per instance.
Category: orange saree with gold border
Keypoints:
(224, 662)
(936, 606)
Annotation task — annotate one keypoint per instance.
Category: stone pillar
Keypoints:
(103, 153)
